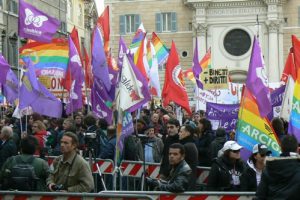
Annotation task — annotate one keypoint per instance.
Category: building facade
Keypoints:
(227, 27)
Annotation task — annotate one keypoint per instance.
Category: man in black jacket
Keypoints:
(8, 147)
(180, 174)
(281, 178)
(173, 127)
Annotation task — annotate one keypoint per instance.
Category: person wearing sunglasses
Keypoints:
(227, 169)
(255, 166)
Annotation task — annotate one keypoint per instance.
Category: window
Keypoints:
(63, 27)
(166, 22)
(1, 4)
(13, 6)
(237, 42)
(299, 16)
(13, 51)
(129, 23)
(69, 10)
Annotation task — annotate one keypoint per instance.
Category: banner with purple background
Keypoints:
(222, 115)
(35, 24)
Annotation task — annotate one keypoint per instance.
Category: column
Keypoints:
(273, 66)
(201, 33)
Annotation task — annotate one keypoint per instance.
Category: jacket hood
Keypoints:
(282, 168)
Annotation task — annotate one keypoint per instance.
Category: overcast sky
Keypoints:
(100, 6)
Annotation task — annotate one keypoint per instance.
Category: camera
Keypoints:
(57, 187)
(90, 135)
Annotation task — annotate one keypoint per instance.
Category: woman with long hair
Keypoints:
(227, 169)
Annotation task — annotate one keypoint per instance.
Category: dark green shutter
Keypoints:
(173, 22)
(122, 24)
(137, 21)
(158, 21)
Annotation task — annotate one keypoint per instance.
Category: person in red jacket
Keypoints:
(40, 133)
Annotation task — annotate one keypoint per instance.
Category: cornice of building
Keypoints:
(224, 3)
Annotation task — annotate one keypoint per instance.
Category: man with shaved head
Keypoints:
(8, 147)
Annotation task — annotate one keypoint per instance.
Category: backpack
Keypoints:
(22, 176)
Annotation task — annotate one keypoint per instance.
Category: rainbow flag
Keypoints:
(294, 123)
(137, 39)
(162, 52)
(206, 60)
(253, 129)
(49, 59)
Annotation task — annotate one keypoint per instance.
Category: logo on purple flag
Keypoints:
(35, 24)
(75, 100)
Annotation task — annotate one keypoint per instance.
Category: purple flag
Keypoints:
(75, 98)
(132, 91)
(99, 63)
(222, 115)
(101, 106)
(127, 129)
(196, 66)
(35, 24)
(4, 67)
(35, 95)
(10, 88)
(257, 81)
(276, 99)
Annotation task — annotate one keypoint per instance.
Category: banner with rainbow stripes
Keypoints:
(49, 59)
(253, 129)
(162, 52)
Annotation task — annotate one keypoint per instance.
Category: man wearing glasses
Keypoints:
(227, 169)
(173, 126)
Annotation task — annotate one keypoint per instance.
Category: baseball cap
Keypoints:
(231, 145)
(261, 149)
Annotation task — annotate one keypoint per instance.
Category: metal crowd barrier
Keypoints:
(190, 195)
(132, 172)
(16, 195)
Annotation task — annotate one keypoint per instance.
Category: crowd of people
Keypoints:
(159, 137)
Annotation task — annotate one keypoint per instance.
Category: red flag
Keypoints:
(67, 81)
(289, 69)
(296, 51)
(174, 89)
(87, 70)
(75, 38)
(103, 24)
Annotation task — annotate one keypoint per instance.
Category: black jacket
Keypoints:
(220, 176)
(7, 150)
(164, 167)
(215, 146)
(191, 157)
(249, 182)
(203, 148)
(179, 178)
(280, 179)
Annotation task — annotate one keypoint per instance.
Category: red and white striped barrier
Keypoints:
(135, 169)
(191, 195)
(202, 175)
(16, 195)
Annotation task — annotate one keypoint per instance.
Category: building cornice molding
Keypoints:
(211, 4)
